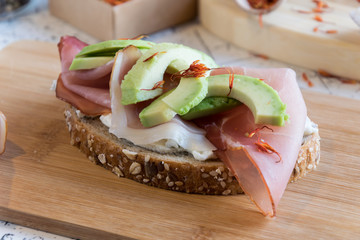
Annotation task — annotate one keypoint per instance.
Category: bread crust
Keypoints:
(177, 170)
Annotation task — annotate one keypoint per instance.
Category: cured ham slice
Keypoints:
(262, 175)
(125, 122)
(87, 90)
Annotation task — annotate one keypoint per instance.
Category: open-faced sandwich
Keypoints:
(167, 116)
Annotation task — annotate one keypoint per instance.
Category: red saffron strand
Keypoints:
(231, 80)
(332, 31)
(263, 56)
(341, 79)
(303, 11)
(159, 84)
(307, 80)
(195, 70)
(325, 73)
(259, 129)
(261, 24)
(231, 83)
(321, 29)
(263, 146)
(318, 18)
(321, 4)
(151, 57)
(116, 2)
(140, 37)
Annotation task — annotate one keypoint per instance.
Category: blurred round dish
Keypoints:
(9, 8)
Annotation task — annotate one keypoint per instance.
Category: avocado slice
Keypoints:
(98, 54)
(263, 101)
(138, 84)
(89, 62)
(189, 93)
(109, 48)
(210, 106)
(157, 112)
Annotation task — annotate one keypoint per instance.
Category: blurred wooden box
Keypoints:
(129, 19)
(289, 36)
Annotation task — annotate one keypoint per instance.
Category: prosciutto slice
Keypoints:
(87, 90)
(263, 176)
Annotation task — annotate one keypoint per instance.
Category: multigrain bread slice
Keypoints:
(173, 170)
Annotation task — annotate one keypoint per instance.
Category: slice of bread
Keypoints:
(173, 170)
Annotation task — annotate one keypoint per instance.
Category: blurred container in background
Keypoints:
(129, 19)
(11, 7)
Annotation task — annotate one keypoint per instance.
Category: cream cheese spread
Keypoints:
(310, 128)
(168, 144)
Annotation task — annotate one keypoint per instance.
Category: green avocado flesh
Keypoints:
(210, 106)
(109, 48)
(138, 84)
(157, 112)
(189, 93)
(89, 62)
(98, 54)
(263, 101)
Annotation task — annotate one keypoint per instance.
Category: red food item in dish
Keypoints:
(88, 90)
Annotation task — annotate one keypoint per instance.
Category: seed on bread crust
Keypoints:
(166, 166)
(213, 173)
(118, 172)
(135, 168)
(205, 175)
(226, 192)
(167, 179)
(179, 183)
(127, 160)
(130, 154)
(102, 158)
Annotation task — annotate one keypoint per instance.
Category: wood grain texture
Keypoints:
(288, 36)
(47, 184)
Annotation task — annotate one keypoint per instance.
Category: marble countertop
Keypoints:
(35, 22)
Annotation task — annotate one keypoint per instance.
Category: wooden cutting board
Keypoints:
(288, 35)
(48, 184)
